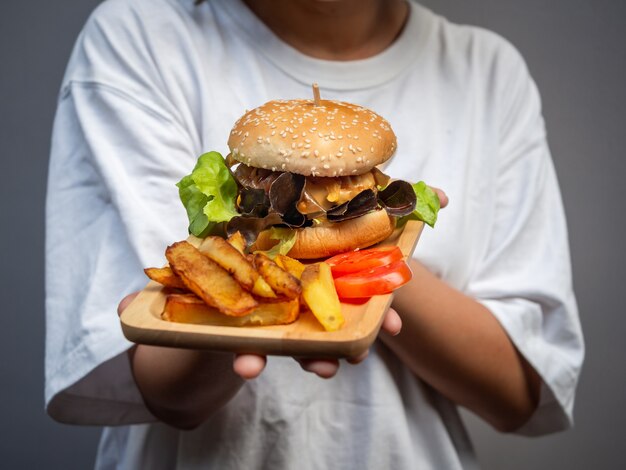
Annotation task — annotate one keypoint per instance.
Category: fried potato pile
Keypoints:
(218, 284)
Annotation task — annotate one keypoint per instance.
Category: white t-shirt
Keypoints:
(151, 85)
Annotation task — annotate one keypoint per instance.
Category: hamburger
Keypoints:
(302, 178)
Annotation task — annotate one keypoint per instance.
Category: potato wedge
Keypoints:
(291, 265)
(188, 308)
(229, 258)
(318, 291)
(279, 280)
(262, 289)
(233, 261)
(238, 241)
(208, 280)
(166, 277)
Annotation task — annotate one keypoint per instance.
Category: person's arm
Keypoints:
(456, 345)
(183, 387)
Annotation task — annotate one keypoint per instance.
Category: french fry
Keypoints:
(279, 280)
(166, 277)
(318, 291)
(208, 280)
(187, 308)
(238, 241)
(291, 265)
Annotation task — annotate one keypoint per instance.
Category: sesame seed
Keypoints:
(326, 166)
(307, 146)
(316, 153)
(323, 157)
(372, 149)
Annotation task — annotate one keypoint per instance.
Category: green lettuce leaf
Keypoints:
(208, 194)
(427, 206)
(286, 239)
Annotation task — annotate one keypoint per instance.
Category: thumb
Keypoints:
(126, 302)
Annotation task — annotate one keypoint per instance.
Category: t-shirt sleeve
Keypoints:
(525, 278)
(112, 208)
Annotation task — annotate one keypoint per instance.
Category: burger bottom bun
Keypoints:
(330, 239)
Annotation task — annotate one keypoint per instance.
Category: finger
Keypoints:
(360, 358)
(249, 366)
(126, 302)
(443, 197)
(392, 323)
(324, 368)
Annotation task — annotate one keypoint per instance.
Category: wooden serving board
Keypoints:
(142, 323)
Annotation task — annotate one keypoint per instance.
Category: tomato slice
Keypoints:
(363, 260)
(374, 281)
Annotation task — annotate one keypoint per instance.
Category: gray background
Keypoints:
(575, 50)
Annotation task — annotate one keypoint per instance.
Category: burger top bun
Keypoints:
(330, 139)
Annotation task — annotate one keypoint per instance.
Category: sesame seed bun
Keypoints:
(332, 139)
(329, 239)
